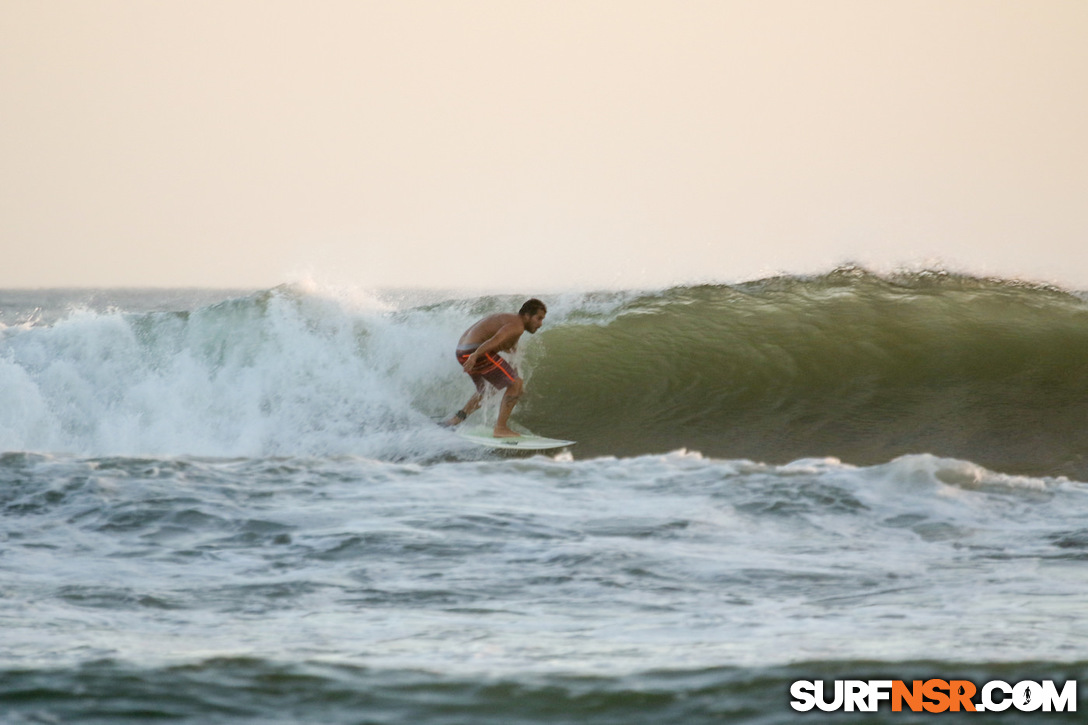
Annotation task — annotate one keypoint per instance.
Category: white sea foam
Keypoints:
(301, 370)
(286, 374)
(603, 566)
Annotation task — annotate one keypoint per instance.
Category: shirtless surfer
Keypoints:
(478, 353)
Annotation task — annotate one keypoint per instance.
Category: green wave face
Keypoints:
(849, 365)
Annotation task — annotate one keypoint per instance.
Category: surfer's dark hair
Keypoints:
(531, 307)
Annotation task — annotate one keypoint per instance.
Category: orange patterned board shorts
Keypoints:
(493, 368)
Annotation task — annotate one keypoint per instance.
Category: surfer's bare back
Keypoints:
(478, 354)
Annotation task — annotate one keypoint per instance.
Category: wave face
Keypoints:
(849, 364)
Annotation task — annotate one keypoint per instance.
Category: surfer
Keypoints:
(478, 354)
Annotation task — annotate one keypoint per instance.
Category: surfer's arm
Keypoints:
(504, 339)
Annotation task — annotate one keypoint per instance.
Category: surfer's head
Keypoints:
(532, 314)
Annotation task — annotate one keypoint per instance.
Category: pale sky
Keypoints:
(533, 146)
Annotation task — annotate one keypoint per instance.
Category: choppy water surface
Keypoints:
(242, 512)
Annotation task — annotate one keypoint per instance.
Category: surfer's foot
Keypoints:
(458, 417)
(504, 432)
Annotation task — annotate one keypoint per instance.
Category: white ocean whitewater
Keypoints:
(237, 507)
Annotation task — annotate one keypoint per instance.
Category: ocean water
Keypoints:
(235, 507)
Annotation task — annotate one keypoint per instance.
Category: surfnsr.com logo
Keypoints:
(934, 696)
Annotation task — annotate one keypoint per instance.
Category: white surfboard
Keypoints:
(525, 442)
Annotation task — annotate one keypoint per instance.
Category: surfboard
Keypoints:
(526, 442)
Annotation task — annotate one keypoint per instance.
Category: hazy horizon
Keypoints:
(539, 145)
